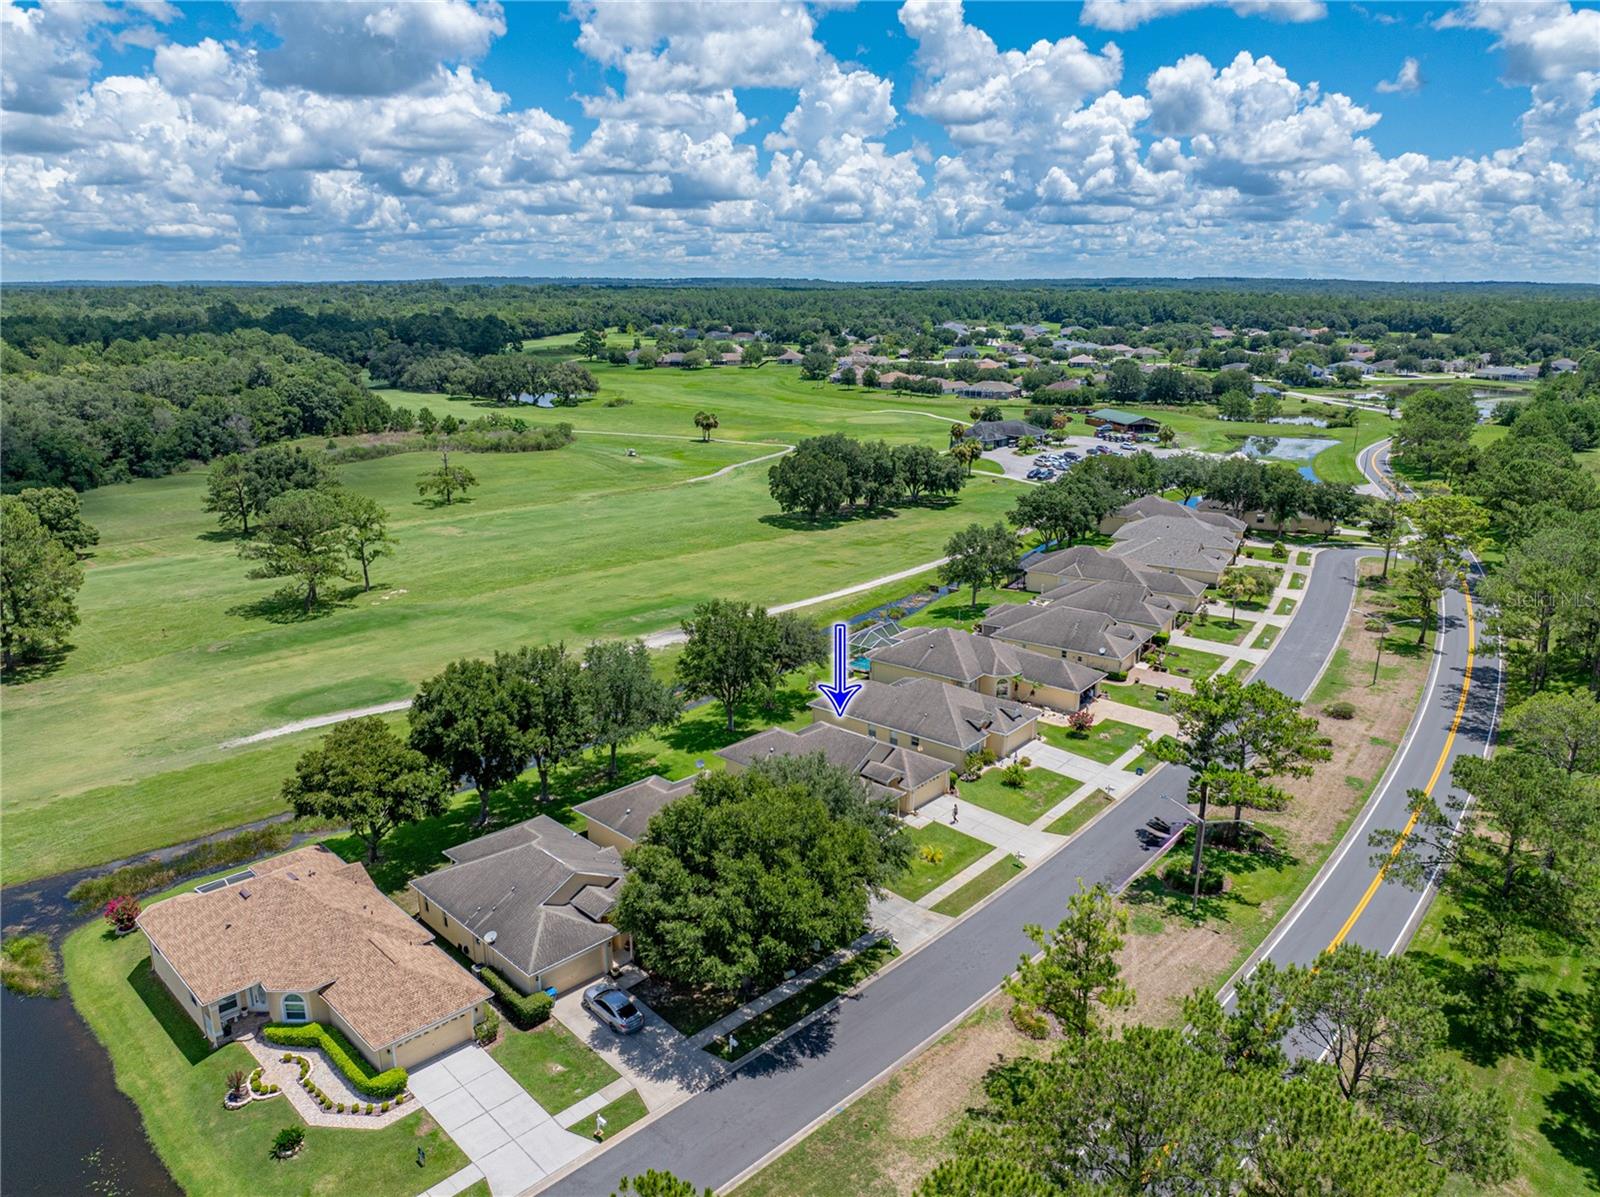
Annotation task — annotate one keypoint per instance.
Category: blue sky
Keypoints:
(1255, 137)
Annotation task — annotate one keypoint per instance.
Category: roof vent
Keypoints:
(244, 893)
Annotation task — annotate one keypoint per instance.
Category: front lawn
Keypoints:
(1297, 581)
(1147, 760)
(1082, 811)
(619, 1115)
(552, 1064)
(980, 887)
(1219, 629)
(1191, 662)
(778, 1018)
(1139, 694)
(1104, 742)
(1041, 789)
(176, 1079)
(953, 850)
(1286, 606)
(1268, 635)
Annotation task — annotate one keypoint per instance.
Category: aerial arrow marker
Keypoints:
(840, 694)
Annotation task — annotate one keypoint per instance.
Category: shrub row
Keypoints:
(326, 1102)
(143, 876)
(380, 1085)
(524, 1010)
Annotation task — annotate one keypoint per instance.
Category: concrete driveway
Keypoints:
(656, 1059)
(503, 1131)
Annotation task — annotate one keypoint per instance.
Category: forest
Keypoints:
(102, 384)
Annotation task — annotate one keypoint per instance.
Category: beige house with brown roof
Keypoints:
(934, 719)
(989, 666)
(307, 937)
(532, 901)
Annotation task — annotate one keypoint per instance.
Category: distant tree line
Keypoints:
(827, 474)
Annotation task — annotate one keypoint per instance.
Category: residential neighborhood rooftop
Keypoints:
(310, 922)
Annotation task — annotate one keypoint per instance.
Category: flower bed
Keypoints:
(329, 1104)
(379, 1086)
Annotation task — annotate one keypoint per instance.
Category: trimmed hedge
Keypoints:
(381, 1085)
(525, 1011)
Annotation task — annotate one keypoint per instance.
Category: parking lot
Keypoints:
(1017, 464)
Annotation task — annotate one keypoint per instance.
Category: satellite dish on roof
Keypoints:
(491, 937)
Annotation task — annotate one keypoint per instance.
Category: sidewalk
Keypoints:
(778, 993)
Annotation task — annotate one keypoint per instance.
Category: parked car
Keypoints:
(613, 1007)
(1158, 824)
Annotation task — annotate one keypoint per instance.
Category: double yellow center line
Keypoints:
(1438, 771)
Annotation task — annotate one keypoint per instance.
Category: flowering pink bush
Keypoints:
(1081, 720)
(123, 913)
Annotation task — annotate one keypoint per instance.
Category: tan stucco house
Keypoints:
(933, 718)
(1089, 638)
(1049, 571)
(532, 902)
(991, 667)
(307, 937)
(909, 776)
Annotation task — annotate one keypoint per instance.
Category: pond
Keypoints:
(68, 1129)
(1287, 448)
(1312, 421)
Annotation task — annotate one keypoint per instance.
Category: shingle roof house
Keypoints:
(309, 937)
(930, 717)
(910, 777)
(1126, 602)
(990, 433)
(1185, 546)
(988, 666)
(1047, 572)
(530, 901)
(618, 819)
(1088, 637)
(1151, 506)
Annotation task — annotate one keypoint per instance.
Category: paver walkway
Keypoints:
(507, 1135)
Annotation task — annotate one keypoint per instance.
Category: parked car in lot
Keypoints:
(1040, 474)
(613, 1007)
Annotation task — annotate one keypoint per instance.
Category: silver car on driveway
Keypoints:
(613, 1007)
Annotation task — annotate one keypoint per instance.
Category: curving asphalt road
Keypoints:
(718, 1135)
(723, 1133)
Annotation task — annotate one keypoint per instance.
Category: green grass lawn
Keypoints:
(1104, 742)
(1086, 808)
(1139, 694)
(179, 651)
(619, 1115)
(1285, 606)
(1553, 1100)
(1041, 790)
(172, 1074)
(1146, 760)
(552, 1064)
(1198, 428)
(1219, 629)
(1269, 633)
(957, 610)
(1191, 662)
(980, 887)
(1297, 581)
(924, 876)
(1303, 557)
(819, 993)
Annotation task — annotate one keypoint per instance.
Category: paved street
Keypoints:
(718, 1134)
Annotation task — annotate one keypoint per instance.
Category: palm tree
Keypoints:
(705, 421)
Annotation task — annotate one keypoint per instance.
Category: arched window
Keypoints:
(294, 1008)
